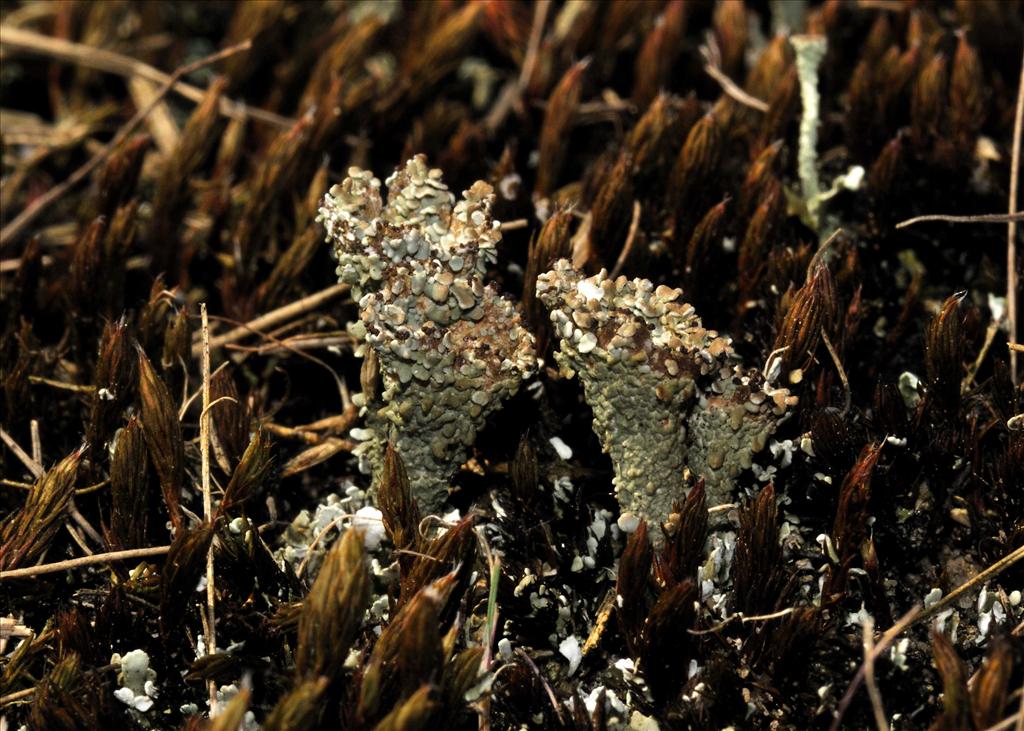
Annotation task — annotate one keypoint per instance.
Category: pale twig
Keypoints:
(917, 615)
(631, 238)
(103, 60)
(38, 205)
(491, 625)
(160, 122)
(869, 675)
(319, 537)
(743, 620)
(512, 95)
(979, 218)
(274, 317)
(544, 681)
(28, 486)
(713, 68)
(37, 442)
(904, 623)
(514, 224)
(315, 455)
(204, 451)
(839, 367)
(62, 385)
(994, 570)
(1011, 228)
(78, 539)
(346, 398)
(34, 467)
(540, 15)
(972, 371)
(74, 563)
(12, 265)
(296, 342)
(16, 696)
(84, 524)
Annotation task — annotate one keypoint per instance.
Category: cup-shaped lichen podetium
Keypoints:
(449, 348)
(641, 355)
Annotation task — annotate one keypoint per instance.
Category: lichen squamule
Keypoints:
(667, 393)
(450, 349)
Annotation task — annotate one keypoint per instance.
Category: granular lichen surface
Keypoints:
(450, 348)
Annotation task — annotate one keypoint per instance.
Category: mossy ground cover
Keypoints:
(162, 158)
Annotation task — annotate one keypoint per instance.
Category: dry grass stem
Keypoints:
(12, 229)
(204, 448)
(868, 629)
(627, 248)
(713, 68)
(102, 59)
(1011, 228)
(274, 317)
(980, 218)
(74, 563)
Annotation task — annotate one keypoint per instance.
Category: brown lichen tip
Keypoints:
(450, 348)
(666, 392)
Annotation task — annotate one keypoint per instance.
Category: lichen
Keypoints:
(449, 348)
(810, 50)
(667, 393)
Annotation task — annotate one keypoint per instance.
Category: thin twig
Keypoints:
(514, 224)
(9, 232)
(979, 218)
(78, 539)
(917, 615)
(84, 524)
(103, 60)
(713, 68)
(346, 397)
(28, 486)
(62, 385)
(320, 536)
(37, 442)
(74, 563)
(512, 95)
(34, 467)
(204, 451)
(540, 15)
(839, 367)
(869, 675)
(631, 238)
(16, 696)
(1011, 228)
(544, 681)
(904, 623)
(743, 620)
(274, 317)
(997, 568)
(296, 342)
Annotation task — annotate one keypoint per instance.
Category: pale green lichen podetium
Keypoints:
(810, 51)
(449, 348)
(666, 392)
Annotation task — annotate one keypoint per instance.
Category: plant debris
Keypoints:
(782, 490)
